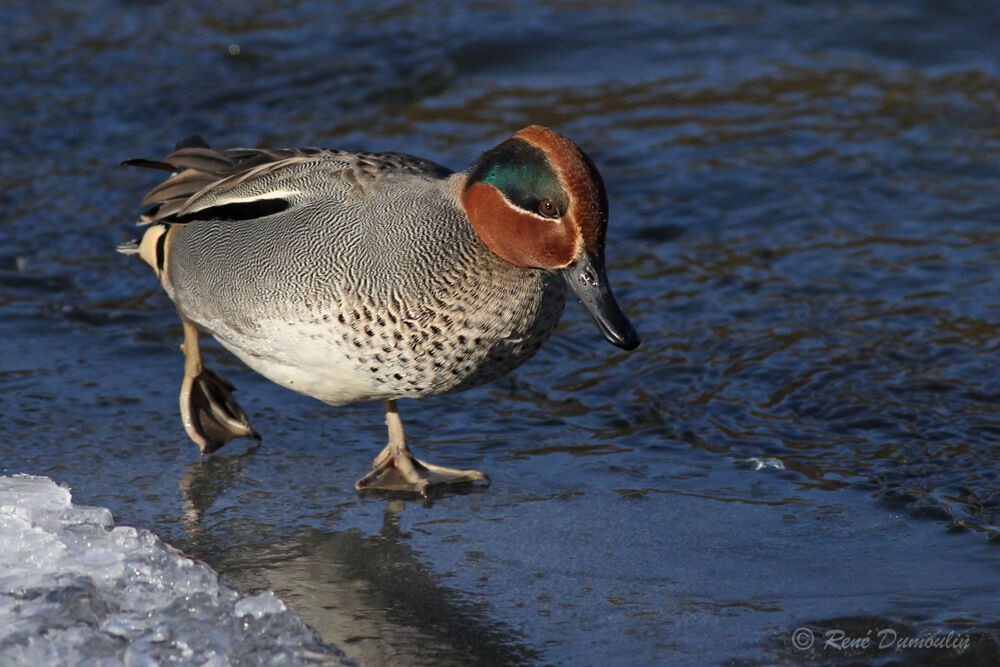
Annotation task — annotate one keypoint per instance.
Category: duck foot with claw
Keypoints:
(397, 469)
(211, 415)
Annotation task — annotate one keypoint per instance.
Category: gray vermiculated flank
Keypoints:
(374, 263)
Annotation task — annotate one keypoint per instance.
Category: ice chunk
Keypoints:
(259, 606)
(74, 589)
(759, 463)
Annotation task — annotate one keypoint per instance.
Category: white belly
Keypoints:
(307, 359)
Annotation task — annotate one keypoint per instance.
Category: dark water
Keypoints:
(805, 228)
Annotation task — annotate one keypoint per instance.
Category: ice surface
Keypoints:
(76, 590)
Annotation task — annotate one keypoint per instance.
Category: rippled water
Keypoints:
(805, 229)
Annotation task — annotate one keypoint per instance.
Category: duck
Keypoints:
(355, 276)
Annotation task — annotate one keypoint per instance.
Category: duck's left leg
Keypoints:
(397, 469)
(211, 416)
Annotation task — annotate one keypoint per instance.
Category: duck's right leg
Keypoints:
(211, 416)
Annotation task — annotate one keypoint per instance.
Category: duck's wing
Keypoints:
(235, 183)
(246, 183)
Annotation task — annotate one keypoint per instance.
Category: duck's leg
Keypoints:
(397, 469)
(211, 416)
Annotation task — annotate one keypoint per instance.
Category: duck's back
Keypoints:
(355, 277)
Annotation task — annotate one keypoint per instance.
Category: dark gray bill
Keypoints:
(589, 282)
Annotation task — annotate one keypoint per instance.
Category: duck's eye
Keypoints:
(548, 209)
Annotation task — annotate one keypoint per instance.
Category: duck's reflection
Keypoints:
(369, 595)
(203, 483)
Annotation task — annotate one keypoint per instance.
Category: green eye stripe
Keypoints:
(522, 173)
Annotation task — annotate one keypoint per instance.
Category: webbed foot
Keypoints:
(211, 415)
(402, 471)
(397, 469)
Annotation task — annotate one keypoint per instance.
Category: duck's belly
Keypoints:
(366, 361)
(306, 359)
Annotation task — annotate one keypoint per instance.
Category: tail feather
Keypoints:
(194, 141)
(128, 247)
(151, 164)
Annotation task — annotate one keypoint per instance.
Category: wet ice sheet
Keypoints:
(73, 587)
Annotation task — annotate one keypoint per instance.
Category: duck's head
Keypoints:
(537, 200)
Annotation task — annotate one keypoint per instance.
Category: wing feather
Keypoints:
(251, 182)
(204, 178)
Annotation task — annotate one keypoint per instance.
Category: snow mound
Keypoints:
(76, 590)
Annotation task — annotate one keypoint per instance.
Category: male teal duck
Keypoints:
(374, 276)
